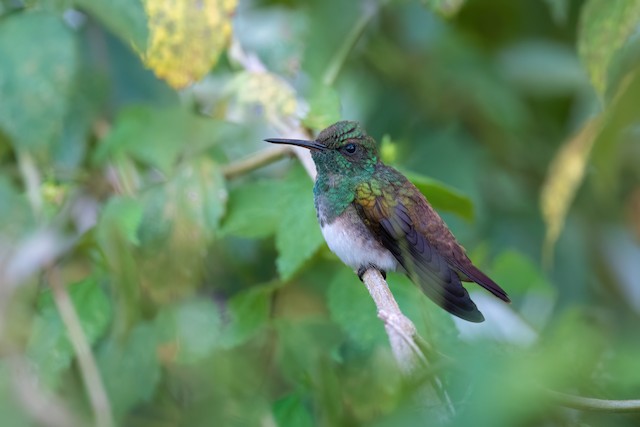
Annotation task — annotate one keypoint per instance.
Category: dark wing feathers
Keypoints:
(422, 262)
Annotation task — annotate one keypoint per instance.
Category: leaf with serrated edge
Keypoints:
(298, 235)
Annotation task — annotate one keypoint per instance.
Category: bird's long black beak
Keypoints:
(311, 145)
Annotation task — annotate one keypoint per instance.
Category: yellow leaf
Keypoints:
(186, 37)
(565, 175)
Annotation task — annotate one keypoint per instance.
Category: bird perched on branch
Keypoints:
(373, 217)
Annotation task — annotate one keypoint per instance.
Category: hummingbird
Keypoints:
(372, 216)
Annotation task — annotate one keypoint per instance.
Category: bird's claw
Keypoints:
(363, 270)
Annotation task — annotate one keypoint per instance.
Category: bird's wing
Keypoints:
(387, 215)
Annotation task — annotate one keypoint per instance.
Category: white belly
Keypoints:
(355, 246)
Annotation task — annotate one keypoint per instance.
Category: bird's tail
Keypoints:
(474, 275)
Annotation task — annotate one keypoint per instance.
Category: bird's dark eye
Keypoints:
(350, 148)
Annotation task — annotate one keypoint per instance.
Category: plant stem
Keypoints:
(341, 55)
(592, 404)
(31, 178)
(88, 368)
(255, 161)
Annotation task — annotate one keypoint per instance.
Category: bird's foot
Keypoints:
(363, 269)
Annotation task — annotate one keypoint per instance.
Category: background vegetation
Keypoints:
(151, 276)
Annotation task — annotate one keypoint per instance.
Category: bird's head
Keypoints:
(343, 147)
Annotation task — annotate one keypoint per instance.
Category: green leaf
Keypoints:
(434, 324)
(156, 136)
(116, 235)
(36, 82)
(324, 107)
(621, 114)
(304, 346)
(520, 273)
(351, 306)
(130, 368)
(248, 313)
(15, 213)
(193, 326)
(388, 149)
(605, 26)
(125, 18)
(559, 10)
(298, 235)
(446, 8)
(199, 190)
(441, 196)
(291, 411)
(251, 211)
(121, 216)
(49, 348)
(542, 68)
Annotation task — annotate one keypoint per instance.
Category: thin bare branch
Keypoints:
(593, 404)
(337, 61)
(46, 408)
(31, 178)
(399, 328)
(255, 161)
(88, 368)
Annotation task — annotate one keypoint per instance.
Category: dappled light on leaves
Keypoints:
(186, 37)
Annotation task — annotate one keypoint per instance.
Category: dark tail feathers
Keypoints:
(475, 275)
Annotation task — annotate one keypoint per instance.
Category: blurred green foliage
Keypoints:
(210, 298)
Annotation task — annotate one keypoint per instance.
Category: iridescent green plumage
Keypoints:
(372, 216)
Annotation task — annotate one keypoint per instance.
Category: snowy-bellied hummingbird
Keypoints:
(372, 216)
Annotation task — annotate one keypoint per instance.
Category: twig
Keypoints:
(399, 328)
(89, 369)
(403, 335)
(593, 404)
(256, 160)
(31, 178)
(341, 55)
